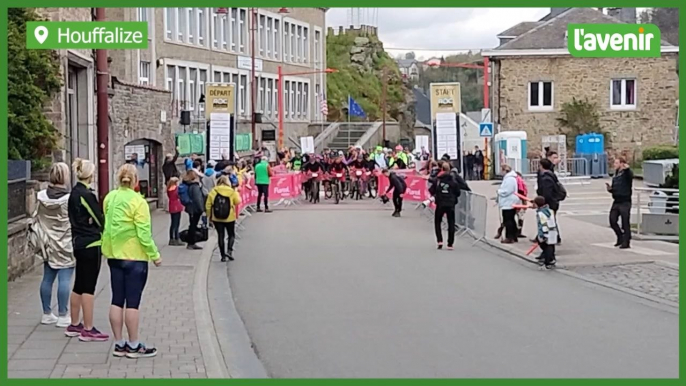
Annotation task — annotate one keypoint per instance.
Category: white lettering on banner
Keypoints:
(414, 193)
(285, 190)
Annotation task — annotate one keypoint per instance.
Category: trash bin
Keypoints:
(658, 202)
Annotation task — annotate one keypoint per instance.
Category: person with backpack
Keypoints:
(221, 208)
(446, 192)
(398, 185)
(550, 188)
(175, 209)
(192, 200)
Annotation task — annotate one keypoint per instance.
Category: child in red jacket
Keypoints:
(175, 209)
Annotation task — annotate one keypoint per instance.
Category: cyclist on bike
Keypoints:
(295, 163)
(314, 170)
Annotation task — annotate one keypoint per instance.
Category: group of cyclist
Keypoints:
(355, 172)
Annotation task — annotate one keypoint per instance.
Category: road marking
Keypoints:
(639, 250)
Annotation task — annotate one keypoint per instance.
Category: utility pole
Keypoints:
(253, 91)
(102, 79)
(384, 80)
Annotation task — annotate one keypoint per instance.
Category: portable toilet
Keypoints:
(510, 148)
(591, 147)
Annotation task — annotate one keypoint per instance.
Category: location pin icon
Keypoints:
(41, 34)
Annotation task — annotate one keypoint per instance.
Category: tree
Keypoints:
(667, 19)
(33, 80)
(579, 117)
(410, 55)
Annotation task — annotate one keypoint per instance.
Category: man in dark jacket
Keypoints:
(548, 186)
(195, 209)
(169, 168)
(621, 189)
(397, 184)
(445, 190)
(478, 164)
(456, 174)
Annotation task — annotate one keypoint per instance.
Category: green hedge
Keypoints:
(660, 152)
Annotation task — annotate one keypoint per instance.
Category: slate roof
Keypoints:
(551, 34)
(405, 63)
(422, 106)
(520, 28)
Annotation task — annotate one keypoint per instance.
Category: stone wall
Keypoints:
(651, 123)
(135, 113)
(19, 257)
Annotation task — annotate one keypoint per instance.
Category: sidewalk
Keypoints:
(169, 321)
(583, 243)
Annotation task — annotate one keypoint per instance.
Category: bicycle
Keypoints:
(335, 184)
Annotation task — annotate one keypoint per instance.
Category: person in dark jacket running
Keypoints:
(445, 191)
(195, 209)
(621, 189)
(397, 184)
(87, 224)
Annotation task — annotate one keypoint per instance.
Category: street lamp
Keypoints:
(280, 94)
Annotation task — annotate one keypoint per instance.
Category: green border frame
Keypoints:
(292, 3)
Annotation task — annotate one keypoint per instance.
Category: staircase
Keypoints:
(348, 135)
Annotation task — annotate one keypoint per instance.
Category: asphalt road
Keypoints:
(352, 292)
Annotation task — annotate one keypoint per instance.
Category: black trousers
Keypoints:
(193, 227)
(510, 223)
(621, 210)
(449, 212)
(548, 252)
(397, 202)
(263, 191)
(225, 229)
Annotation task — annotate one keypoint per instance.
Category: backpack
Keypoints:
(221, 207)
(184, 194)
(521, 186)
(560, 191)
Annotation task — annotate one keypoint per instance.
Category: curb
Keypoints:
(209, 345)
(561, 269)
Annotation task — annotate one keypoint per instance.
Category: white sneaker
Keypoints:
(48, 319)
(64, 321)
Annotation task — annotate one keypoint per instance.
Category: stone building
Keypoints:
(190, 47)
(533, 75)
(72, 111)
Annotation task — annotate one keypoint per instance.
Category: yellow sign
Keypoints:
(445, 98)
(219, 98)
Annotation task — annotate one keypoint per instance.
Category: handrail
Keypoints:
(368, 135)
(325, 136)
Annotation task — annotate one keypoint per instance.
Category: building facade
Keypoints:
(409, 69)
(190, 47)
(533, 76)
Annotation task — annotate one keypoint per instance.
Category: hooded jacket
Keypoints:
(225, 191)
(51, 228)
(547, 188)
(197, 199)
(208, 181)
(507, 193)
(445, 189)
(86, 218)
(128, 227)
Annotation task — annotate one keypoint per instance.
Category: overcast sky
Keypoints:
(437, 28)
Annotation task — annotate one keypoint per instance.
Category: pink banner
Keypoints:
(281, 187)
(416, 189)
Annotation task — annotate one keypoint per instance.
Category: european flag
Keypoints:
(354, 110)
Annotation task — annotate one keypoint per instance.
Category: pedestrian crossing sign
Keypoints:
(486, 129)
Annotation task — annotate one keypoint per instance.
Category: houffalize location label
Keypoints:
(87, 34)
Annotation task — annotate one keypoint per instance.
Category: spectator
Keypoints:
(54, 241)
(549, 187)
(445, 191)
(195, 209)
(621, 189)
(188, 162)
(169, 168)
(221, 165)
(221, 207)
(469, 166)
(546, 232)
(175, 209)
(478, 164)
(398, 185)
(506, 200)
(263, 173)
(87, 224)
(456, 174)
(208, 179)
(127, 242)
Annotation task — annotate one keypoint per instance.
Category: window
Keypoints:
(261, 99)
(298, 44)
(262, 28)
(241, 30)
(306, 101)
(317, 49)
(243, 100)
(277, 39)
(306, 45)
(224, 32)
(181, 36)
(201, 26)
(623, 94)
(287, 100)
(170, 22)
(541, 96)
(144, 73)
(294, 45)
(270, 95)
(217, 77)
(318, 110)
(192, 90)
(234, 28)
(216, 31)
(192, 25)
(286, 42)
(298, 100)
(182, 91)
(292, 97)
(270, 37)
(144, 14)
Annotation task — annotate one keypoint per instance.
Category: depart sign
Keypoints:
(219, 98)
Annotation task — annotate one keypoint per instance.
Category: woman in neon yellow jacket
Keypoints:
(128, 245)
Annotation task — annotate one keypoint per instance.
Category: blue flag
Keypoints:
(354, 110)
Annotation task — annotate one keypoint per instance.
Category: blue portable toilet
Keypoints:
(591, 147)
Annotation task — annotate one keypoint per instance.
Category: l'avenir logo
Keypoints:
(613, 40)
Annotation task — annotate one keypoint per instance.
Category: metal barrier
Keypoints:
(576, 167)
(471, 213)
(657, 214)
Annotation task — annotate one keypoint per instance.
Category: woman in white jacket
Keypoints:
(507, 198)
(53, 239)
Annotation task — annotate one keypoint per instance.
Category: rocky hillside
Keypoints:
(360, 61)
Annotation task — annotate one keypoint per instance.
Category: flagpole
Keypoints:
(349, 111)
